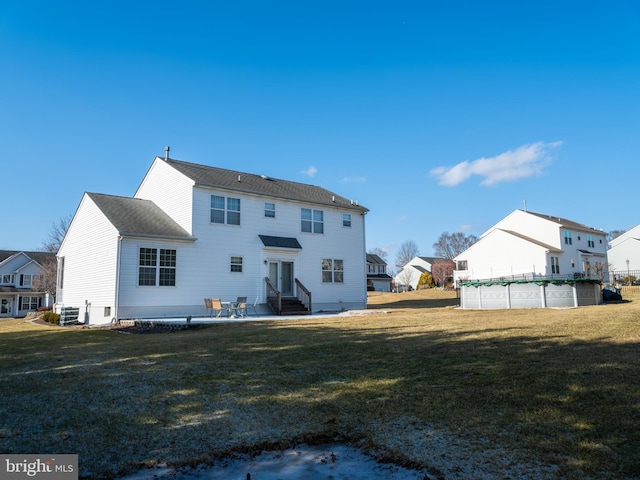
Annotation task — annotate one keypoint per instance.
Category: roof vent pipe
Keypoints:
(238, 177)
(166, 153)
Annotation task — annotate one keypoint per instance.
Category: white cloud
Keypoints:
(523, 162)
(310, 172)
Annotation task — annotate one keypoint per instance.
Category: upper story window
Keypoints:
(346, 219)
(567, 237)
(7, 279)
(270, 210)
(590, 241)
(157, 267)
(225, 210)
(312, 221)
(26, 280)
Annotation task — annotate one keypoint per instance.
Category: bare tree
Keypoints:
(56, 234)
(408, 250)
(451, 245)
(379, 252)
(599, 270)
(613, 234)
(442, 272)
(46, 281)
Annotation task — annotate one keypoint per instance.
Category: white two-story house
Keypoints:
(534, 244)
(193, 231)
(527, 247)
(21, 287)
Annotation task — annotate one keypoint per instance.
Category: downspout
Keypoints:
(117, 297)
(364, 249)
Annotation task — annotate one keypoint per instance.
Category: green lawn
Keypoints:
(424, 383)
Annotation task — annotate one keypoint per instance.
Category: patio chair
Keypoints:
(207, 304)
(241, 307)
(217, 308)
(253, 306)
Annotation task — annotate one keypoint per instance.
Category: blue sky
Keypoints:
(437, 116)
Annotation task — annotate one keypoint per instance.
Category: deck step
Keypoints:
(293, 306)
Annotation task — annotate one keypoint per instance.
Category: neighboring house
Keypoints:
(20, 288)
(624, 254)
(413, 270)
(378, 279)
(541, 249)
(193, 232)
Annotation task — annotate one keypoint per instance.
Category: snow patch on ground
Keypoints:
(309, 462)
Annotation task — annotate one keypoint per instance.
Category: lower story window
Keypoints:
(332, 270)
(29, 303)
(236, 264)
(555, 265)
(157, 267)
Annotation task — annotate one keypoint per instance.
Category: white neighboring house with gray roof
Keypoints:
(527, 244)
(533, 260)
(21, 290)
(378, 280)
(194, 231)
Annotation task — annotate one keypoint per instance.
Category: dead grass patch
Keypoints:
(552, 393)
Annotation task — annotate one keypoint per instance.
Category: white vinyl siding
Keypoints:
(171, 191)
(90, 260)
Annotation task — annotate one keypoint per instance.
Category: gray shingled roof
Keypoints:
(281, 242)
(420, 268)
(40, 257)
(207, 176)
(434, 260)
(570, 224)
(138, 217)
(375, 259)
